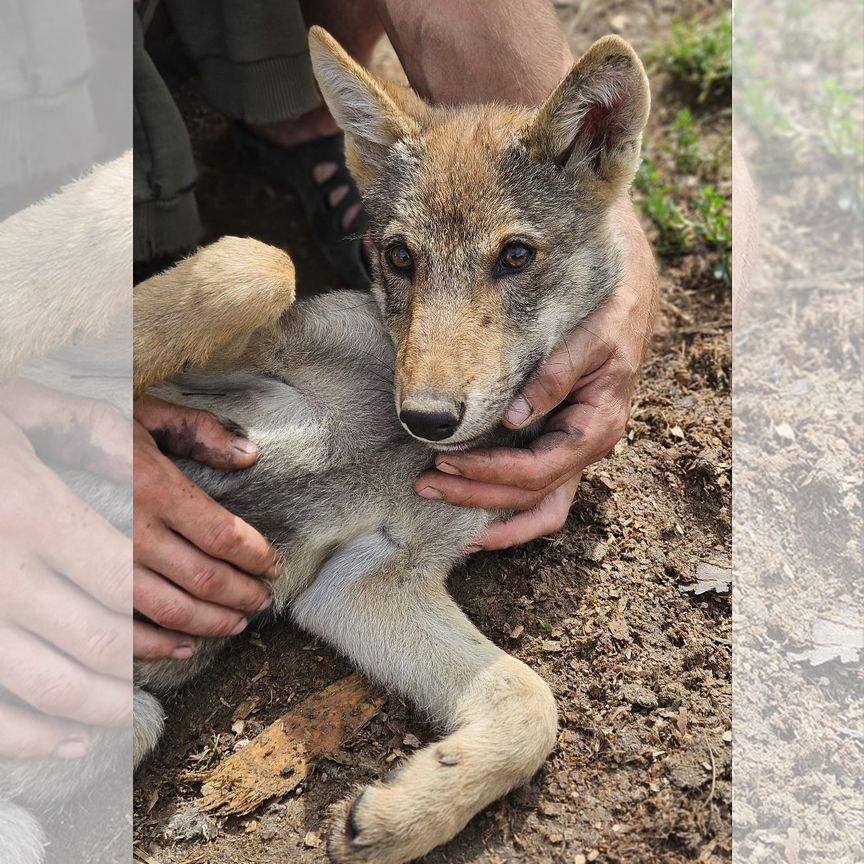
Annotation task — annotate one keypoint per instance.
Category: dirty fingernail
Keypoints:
(519, 412)
(74, 748)
(430, 492)
(244, 445)
(241, 626)
(268, 602)
(447, 468)
(183, 652)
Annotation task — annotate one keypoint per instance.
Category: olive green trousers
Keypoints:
(253, 62)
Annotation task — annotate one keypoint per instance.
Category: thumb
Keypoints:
(579, 354)
(193, 434)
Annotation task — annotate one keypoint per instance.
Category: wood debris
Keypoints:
(279, 759)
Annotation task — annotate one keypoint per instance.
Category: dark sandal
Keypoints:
(293, 167)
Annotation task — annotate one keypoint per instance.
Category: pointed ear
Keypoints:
(592, 123)
(360, 104)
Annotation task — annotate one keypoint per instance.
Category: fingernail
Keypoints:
(273, 571)
(519, 412)
(447, 468)
(266, 604)
(244, 445)
(470, 550)
(241, 626)
(75, 748)
(430, 492)
(183, 652)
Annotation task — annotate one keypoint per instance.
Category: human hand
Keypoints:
(65, 578)
(594, 371)
(197, 566)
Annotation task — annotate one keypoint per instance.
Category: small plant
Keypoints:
(699, 56)
(211, 753)
(796, 133)
(685, 149)
(840, 124)
(675, 232)
(714, 224)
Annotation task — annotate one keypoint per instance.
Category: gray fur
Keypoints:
(22, 840)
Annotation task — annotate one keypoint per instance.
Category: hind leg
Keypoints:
(402, 628)
(22, 840)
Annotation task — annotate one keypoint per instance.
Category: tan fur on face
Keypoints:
(455, 185)
(449, 354)
(452, 341)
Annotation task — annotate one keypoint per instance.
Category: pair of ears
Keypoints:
(591, 124)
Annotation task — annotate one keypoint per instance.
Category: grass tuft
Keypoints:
(699, 55)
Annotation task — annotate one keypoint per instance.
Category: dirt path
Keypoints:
(641, 669)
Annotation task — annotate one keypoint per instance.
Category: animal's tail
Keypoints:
(204, 310)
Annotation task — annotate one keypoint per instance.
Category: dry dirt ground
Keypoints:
(641, 669)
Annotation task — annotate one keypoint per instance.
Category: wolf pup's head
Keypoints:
(492, 225)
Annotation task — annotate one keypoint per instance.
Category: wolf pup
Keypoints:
(493, 237)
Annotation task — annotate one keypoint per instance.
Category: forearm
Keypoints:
(637, 294)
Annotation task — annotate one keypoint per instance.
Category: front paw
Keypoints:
(341, 848)
(369, 830)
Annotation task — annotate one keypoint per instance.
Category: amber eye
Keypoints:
(400, 258)
(515, 256)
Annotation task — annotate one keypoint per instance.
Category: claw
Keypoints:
(351, 829)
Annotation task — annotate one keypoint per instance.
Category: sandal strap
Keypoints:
(294, 167)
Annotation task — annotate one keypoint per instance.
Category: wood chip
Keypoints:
(551, 646)
(517, 631)
(312, 840)
(785, 432)
(244, 709)
(592, 550)
(709, 577)
(681, 721)
(832, 640)
(411, 741)
(278, 760)
(619, 629)
(265, 670)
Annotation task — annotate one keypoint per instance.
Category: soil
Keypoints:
(641, 669)
(799, 736)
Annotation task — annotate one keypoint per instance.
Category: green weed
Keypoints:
(707, 217)
(685, 148)
(675, 232)
(699, 56)
(714, 224)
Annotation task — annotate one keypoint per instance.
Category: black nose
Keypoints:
(431, 425)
